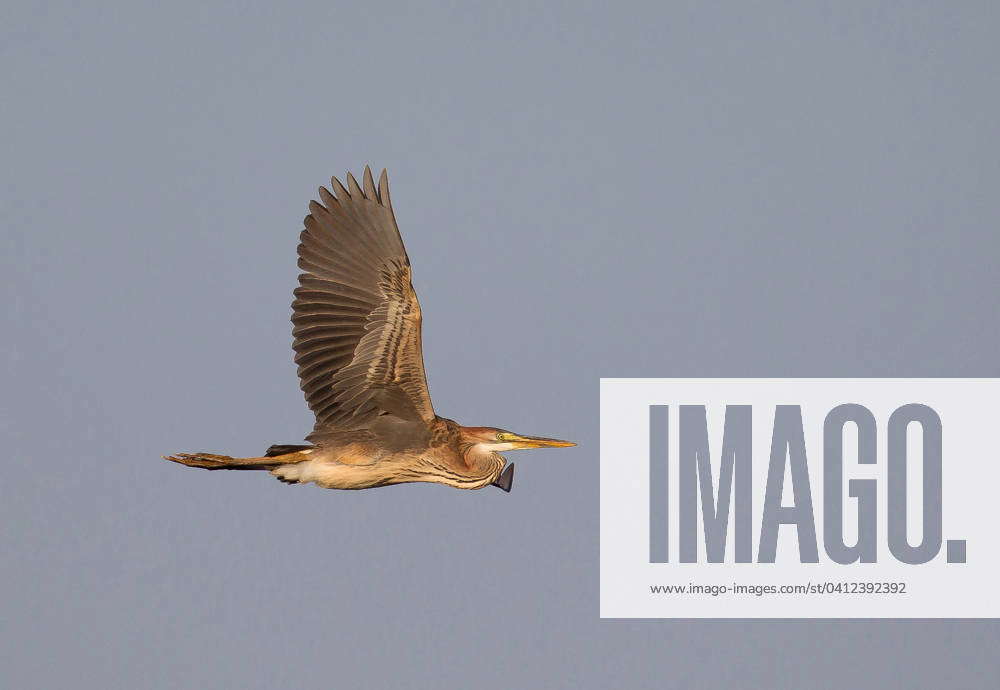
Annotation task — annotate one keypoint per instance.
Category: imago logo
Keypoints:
(788, 456)
(798, 498)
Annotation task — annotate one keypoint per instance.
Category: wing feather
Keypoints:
(356, 319)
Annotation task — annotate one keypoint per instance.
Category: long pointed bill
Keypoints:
(523, 442)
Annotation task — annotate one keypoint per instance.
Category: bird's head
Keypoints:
(483, 445)
(489, 439)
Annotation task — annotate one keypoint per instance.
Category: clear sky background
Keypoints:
(585, 190)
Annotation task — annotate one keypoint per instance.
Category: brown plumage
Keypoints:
(356, 328)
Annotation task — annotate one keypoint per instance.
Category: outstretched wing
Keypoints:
(356, 317)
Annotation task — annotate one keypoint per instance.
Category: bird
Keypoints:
(356, 329)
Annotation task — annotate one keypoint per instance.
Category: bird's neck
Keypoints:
(483, 461)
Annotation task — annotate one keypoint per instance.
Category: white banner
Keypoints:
(841, 498)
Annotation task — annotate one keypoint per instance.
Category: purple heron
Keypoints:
(356, 330)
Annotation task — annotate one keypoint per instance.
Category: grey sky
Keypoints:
(666, 189)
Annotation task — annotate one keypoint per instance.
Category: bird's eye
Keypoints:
(501, 436)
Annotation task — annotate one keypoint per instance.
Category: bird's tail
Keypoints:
(210, 461)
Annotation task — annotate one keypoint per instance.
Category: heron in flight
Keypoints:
(356, 330)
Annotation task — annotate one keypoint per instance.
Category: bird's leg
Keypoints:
(211, 461)
(207, 461)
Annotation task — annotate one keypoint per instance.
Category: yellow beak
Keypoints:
(524, 442)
